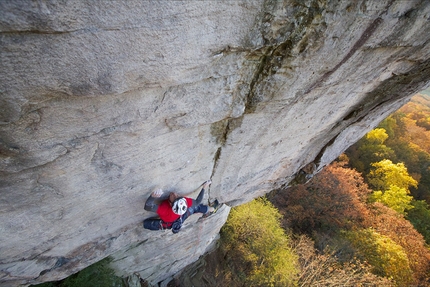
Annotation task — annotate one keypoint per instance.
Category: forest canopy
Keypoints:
(404, 139)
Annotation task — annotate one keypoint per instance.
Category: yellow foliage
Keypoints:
(395, 197)
(254, 237)
(387, 257)
(386, 173)
(377, 136)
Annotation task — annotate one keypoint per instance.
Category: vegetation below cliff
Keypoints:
(403, 137)
(400, 146)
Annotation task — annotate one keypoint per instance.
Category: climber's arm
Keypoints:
(151, 203)
(199, 198)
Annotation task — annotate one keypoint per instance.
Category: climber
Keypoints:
(174, 210)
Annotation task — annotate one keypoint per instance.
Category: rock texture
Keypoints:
(101, 102)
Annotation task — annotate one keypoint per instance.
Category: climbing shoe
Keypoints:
(215, 205)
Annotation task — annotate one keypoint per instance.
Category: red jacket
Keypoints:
(166, 213)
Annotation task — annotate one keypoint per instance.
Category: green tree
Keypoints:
(369, 149)
(97, 275)
(390, 126)
(419, 216)
(391, 183)
(409, 144)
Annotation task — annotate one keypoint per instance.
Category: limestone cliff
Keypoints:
(102, 101)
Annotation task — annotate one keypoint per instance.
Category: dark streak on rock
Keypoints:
(272, 57)
(317, 160)
(363, 39)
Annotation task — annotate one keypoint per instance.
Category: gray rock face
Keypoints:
(101, 102)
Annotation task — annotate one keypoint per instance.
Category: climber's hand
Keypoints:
(157, 193)
(207, 183)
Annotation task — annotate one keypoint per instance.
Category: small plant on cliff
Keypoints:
(96, 275)
(257, 247)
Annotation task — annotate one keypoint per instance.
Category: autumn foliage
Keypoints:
(388, 222)
(387, 258)
(402, 138)
(257, 248)
(334, 210)
(334, 199)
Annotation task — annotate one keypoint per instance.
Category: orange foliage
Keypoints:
(417, 136)
(387, 222)
(418, 109)
(332, 200)
(336, 199)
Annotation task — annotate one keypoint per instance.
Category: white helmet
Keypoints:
(180, 206)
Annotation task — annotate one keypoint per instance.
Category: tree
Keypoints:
(369, 149)
(334, 199)
(324, 269)
(97, 275)
(387, 222)
(258, 247)
(387, 257)
(390, 126)
(419, 216)
(411, 142)
(386, 173)
(395, 197)
(377, 136)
